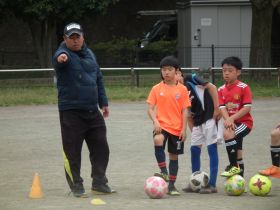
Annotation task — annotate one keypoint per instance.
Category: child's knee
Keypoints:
(228, 134)
(173, 156)
(158, 139)
(275, 137)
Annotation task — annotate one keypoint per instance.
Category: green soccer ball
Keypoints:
(235, 185)
(260, 185)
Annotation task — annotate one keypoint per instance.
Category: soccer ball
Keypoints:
(155, 187)
(198, 179)
(260, 185)
(235, 185)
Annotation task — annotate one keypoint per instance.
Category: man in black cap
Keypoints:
(81, 93)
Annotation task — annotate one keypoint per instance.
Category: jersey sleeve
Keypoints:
(247, 96)
(221, 98)
(152, 99)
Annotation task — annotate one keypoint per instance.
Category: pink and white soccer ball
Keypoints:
(155, 187)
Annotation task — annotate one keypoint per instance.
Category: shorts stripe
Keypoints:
(230, 143)
(275, 149)
(67, 167)
(240, 129)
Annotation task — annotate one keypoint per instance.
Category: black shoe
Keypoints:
(101, 189)
(188, 189)
(80, 193)
(208, 190)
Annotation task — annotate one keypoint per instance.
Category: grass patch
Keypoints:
(260, 89)
(265, 92)
(12, 96)
(127, 93)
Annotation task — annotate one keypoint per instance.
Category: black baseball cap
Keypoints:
(169, 61)
(73, 28)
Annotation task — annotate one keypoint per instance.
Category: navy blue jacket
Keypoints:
(79, 80)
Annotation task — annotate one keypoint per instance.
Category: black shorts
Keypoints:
(175, 145)
(241, 131)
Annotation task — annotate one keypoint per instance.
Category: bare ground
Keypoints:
(30, 142)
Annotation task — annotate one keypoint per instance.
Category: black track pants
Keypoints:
(77, 126)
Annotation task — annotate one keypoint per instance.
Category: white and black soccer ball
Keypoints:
(198, 179)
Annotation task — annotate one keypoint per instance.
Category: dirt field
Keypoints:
(30, 142)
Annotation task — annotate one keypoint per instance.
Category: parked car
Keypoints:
(163, 29)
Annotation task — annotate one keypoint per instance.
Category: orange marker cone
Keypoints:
(36, 189)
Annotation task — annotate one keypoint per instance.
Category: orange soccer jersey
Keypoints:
(169, 102)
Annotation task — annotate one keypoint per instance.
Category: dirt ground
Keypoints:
(30, 142)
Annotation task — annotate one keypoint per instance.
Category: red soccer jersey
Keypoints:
(234, 97)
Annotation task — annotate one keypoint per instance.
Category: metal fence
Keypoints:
(269, 75)
(202, 56)
(133, 76)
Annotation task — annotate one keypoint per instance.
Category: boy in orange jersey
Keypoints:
(274, 170)
(168, 104)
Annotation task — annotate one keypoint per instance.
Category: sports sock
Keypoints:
(173, 170)
(160, 157)
(275, 155)
(195, 158)
(231, 146)
(241, 166)
(214, 162)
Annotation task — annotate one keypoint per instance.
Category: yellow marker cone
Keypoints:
(97, 201)
(36, 189)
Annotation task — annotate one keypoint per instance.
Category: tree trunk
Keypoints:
(43, 34)
(260, 55)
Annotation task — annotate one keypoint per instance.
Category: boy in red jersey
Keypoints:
(274, 170)
(168, 104)
(235, 101)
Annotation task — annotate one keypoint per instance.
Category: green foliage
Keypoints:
(155, 51)
(161, 47)
(44, 16)
(117, 52)
(123, 52)
(53, 9)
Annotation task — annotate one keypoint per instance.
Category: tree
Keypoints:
(262, 12)
(43, 16)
